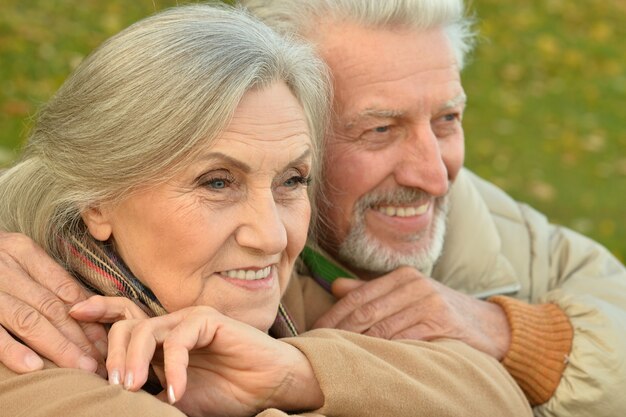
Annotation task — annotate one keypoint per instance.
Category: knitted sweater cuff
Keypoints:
(541, 340)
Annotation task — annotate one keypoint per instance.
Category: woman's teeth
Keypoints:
(403, 211)
(248, 274)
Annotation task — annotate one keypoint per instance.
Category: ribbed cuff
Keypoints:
(541, 340)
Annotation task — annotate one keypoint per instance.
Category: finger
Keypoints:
(420, 331)
(342, 286)
(119, 338)
(145, 337)
(359, 297)
(28, 324)
(176, 361)
(394, 324)
(16, 356)
(55, 312)
(195, 330)
(387, 314)
(36, 263)
(97, 335)
(107, 309)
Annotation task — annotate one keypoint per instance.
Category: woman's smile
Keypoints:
(251, 278)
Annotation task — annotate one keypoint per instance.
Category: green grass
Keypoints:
(546, 86)
(546, 118)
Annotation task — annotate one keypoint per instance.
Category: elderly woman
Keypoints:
(172, 169)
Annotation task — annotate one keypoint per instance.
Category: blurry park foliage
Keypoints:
(546, 116)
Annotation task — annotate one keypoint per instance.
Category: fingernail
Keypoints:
(170, 394)
(114, 377)
(87, 363)
(33, 362)
(128, 380)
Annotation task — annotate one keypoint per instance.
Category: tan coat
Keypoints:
(495, 245)
(359, 375)
(366, 376)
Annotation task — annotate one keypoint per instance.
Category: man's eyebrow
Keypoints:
(375, 114)
(460, 99)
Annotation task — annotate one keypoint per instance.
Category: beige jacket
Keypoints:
(360, 376)
(365, 376)
(497, 246)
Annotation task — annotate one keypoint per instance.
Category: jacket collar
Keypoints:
(472, 259)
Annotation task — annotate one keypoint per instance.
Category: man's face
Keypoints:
(395, 147)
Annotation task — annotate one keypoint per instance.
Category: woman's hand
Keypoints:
(101, 309)
(213, 365)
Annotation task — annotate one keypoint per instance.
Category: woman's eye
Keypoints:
(296, 180)
(217, 183)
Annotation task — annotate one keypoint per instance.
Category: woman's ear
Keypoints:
(97, 223)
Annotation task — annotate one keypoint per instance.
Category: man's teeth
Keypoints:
(403, 211)
(248, 274)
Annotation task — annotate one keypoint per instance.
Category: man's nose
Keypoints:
(262, 228)
(420, 162)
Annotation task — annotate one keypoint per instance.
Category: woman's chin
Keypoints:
(261, 320)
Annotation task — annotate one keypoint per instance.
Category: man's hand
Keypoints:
(35, 293)
(404, 304)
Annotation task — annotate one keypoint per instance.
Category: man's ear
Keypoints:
(98, 223)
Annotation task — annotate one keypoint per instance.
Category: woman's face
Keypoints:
(227, 231)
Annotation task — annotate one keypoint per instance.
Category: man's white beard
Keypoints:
(361, 250)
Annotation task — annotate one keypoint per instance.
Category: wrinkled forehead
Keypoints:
(386, 70)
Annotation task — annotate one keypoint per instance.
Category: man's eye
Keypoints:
(381, 129)
(451, 117)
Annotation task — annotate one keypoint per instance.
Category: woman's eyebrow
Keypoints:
(232, 161)
(244, 167)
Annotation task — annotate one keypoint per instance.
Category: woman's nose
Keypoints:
(262, 227)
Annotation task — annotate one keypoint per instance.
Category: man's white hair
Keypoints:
(303, 17)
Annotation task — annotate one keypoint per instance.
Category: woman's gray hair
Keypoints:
(303, 17)
(143, 105)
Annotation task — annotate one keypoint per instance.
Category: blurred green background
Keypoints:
(546, 85)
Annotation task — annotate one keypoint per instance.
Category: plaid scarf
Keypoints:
(99, 268)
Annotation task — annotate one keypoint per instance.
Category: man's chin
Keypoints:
(364, 251)
(380, 243)
(380, 256)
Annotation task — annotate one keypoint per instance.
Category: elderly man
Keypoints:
(439, 252)
(430, 240)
